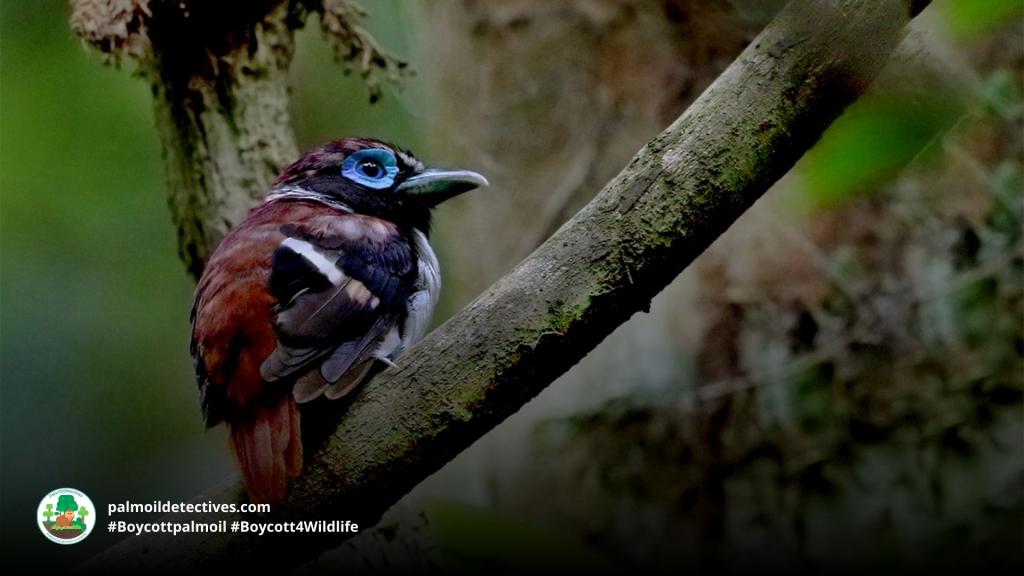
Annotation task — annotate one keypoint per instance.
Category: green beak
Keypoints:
(433, 186)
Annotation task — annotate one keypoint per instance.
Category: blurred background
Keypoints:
(836, 384)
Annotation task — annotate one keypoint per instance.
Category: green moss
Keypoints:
(560, 319)
(468, 397)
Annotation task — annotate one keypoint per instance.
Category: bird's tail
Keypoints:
(268, 448)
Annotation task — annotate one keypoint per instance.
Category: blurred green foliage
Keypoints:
(970, 18)
(882, 132)
(873, 140)
(94, 301)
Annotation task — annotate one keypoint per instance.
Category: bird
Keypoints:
(331, 274)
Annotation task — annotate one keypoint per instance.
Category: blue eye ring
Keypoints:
(373, 167)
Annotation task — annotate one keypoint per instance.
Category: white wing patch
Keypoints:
(309, 252)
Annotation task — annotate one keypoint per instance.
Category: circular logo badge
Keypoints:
(66, 516)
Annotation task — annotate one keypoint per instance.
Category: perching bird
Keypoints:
(329, 274)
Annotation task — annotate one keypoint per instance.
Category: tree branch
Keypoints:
(678, 194)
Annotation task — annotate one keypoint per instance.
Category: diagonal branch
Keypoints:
(678, 194)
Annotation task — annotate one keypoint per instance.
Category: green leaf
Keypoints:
(875, 139)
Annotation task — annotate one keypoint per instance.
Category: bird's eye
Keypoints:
(373, 168)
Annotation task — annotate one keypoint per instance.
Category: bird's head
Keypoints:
(371, 177)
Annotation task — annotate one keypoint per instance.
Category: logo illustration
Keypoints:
(66, 516)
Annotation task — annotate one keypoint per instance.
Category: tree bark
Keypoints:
(224, 125)
(678, 194)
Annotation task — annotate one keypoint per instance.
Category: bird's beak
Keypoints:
(433, 186)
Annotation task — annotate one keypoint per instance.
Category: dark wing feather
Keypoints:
(334, 323)
(388, 269)
(293, 274)
(286, 360)
(345, 355)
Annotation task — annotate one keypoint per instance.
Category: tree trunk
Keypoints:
(222, 115)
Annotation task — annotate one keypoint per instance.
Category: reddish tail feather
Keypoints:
(268, 448)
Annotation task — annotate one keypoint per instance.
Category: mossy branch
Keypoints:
(677, 195)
